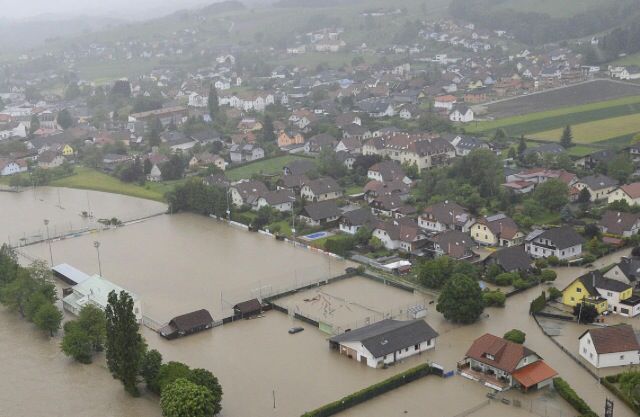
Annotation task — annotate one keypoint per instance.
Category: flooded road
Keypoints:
(185, 262)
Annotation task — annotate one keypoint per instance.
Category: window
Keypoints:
(578, 289)
(621, 357)
(584, 350)
(609, 294)
(416, 347)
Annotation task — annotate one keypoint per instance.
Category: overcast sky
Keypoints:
(134, 9)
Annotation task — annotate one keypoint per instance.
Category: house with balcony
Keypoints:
(605, 294)
(501, 365)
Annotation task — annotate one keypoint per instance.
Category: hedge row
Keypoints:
(609, 382)
(538, 304)
(371, 392)
(564, 389)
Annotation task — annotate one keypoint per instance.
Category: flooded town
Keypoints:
(305, 209)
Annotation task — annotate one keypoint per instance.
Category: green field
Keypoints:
(596, 131)
(270, 166)
(558, 118)
(90, 179)
(633, 59)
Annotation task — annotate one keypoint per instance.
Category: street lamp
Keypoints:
(46, 224)
(96, 245)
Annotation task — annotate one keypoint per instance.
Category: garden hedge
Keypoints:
(370, 392)
(609, 382)
(564, 389)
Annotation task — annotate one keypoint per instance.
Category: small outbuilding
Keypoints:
(187, 324)
(247, 309)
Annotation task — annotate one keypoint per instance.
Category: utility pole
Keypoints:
(96, 245)
(46, 224)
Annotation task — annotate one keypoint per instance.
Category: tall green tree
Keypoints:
(461, 300)
(213, 106)
(48, 318)
(155, 129)
(125, 346)
(183, 398)
(552, 194)
(150, 368)
(93, 322)
(522, 145)
(64, 119)
(566, 140)
(620, 168)
(268, 133)
(34, 125)
(206, 379)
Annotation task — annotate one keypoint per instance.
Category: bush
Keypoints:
(548, 275)
(541, 263)
(370, 392)
(168, 373)
(566, 392)
(588, 259)
(521, 284)
(553, 260)
(340, 245)
(494, 298)
(515, 336)
(554, 293)
(506, 278)
(538, 303)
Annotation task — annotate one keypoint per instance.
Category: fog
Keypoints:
(120, 9)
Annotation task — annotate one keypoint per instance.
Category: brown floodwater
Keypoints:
(184, 262)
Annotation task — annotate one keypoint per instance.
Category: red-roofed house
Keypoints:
(629, 193)
(501, 364)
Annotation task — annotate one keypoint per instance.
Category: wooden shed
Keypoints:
(187, 324)
(247, 309)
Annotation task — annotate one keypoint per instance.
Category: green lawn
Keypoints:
(270, 166)
(552, 119)
(633, 59)
(90, 179)
(596, 131)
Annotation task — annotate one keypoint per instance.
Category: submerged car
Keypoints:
(295, 330)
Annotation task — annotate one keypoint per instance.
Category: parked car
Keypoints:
(295, 330)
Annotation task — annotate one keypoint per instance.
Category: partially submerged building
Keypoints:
(187, 324)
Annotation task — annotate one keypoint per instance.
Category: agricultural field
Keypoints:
(596, 131)
(633, 59)
(270, 166)
(576, 95)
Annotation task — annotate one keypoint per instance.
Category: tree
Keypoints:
(64, 119)
(635, 252)
(93, 322)
(183, 398)
(268, 134)
(522, 145)
(155, 128)
(435, 273)
(585, 196)
(125, 346)
(48, 318)
(213, 105)
(515, 336)
(620, 168)
(121, 89)
(461, 300)
(173, 169)
(150, 368)
(552, 194)
(167, 374)
(2, 106)
(34, 125)
(566, 140)
(206, 379)
(585, 313)
(591, 230)
(76, 342)
(548, 275)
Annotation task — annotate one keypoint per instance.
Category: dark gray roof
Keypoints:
(598, 181)
(299, 166)
(322, 210)
(562, 237)
(188, 321)
(630, 267)
(388, 336)
(552, 148)
(359, 217)
(594, 279)
(324, 185)
(511, 259)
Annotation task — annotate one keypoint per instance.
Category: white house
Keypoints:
(445, 102)
(629, 193)
(610, 346)
(197, 100)
(10, 167)
(561, 242)
(95, 290)
(462, 114)
(385, 342)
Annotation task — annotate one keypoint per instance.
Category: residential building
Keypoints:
(325, 188)
(167, 116)
(445, 102)
(245, 152)
(391, 205)
(320, 213)
(451, 243)
(10, 167)
(290, 138)
(626, 271)
(95, 290)
(299, 167)
(445, 215)
(50, 159)
(247, 192)
(610, 346)
(385, 342)
(630, 193)
(461, 114)
(511, 259)
(400, 234)
(598, 185)
(353, 220)
(319, 142)
(605, 294)
(280, 200)
(496, 230)
(619, 223)
(465, 144)
(500, 364)
(387, 171)
(422, 150)
(562, 242)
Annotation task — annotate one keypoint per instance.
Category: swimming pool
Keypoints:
(316, 235)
